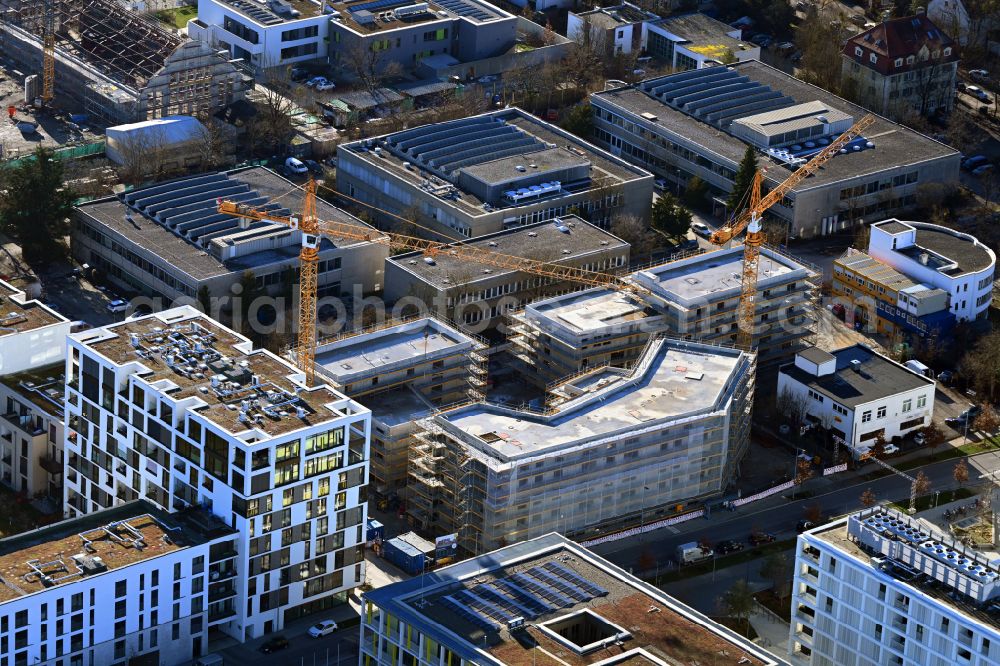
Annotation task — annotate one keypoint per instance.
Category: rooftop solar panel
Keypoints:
(493, 594)
(525, 597)
(376, 4)
(473, 616)
(589, 586)
(558, 583)
(542, 590)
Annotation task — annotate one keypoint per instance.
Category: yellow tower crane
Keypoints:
(312, 228)
(750, 221)
(48, 52)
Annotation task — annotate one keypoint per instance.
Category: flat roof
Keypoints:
(895, 145)
(117, 537)
(542, 241)
(274, 12)
(867, 266)
(945, 247)
(703, 34)
(791, 118)
(370, 16)
(717, 275)
(816, 355)
(18, 314)
(186, 351)
(838, 534)
(391, 349)
(591, 310)
(152, 217)
(464, 607)
(45, 387)
(434, 156)
(397, 406)
(879, 378)
(673, 379)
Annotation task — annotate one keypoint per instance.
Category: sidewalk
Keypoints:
(771, 630)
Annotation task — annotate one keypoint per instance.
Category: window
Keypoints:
(881, 412)
(873, 58)
(947, 51)
(858, 51)
(899, 62)
(866, 416)
(907, 405)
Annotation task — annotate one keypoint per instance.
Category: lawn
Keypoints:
(178, 17)
(925, 502)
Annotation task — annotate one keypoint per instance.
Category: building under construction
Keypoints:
(116, 65)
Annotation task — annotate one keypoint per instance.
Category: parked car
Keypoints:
(489, 78)
(978, 93)
(920, 439)
(729, 546)
(758, 538)
(979, 74)
(323, 628)
(325, 85)
(299, 74)
(117, 305)
(314, 166)
(274, 645)
(980, 170)
(315, 81)
(295, 165)
(946, 376)
(701, 229)
(660, 184)
(890, 449)
(804, 525)
(960, 86)
(762, 40)
(975, 161)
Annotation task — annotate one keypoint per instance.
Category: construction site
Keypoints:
(96, 57)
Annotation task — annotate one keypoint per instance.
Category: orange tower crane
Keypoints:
(312, 228)
(750, 221)
(48, 52)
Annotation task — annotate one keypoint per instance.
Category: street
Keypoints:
(779, 516)
(338, 649)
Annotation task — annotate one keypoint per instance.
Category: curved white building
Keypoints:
(947, 259)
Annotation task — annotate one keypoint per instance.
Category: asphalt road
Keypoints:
(302, 651)
(781, 520)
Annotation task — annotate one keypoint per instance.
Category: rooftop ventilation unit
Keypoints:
(856, 366)
(411, 10)
(651, 117)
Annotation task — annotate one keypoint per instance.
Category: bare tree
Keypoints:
(371, 68)
(922, 484)
(271, 127)
(143, 156)
(961, 472)
(792, 406)
(634, 231)
(868, 497)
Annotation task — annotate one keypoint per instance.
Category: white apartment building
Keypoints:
(264, 34)
(176, 409)
(32, 343)
(131, 584)
(614, 30)
(879, 588)
(941, 257)
(859, 394)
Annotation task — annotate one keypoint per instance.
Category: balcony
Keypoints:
(220, 591)
(219, 614)
(50, 464)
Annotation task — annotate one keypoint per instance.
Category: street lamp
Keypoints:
(678, 183)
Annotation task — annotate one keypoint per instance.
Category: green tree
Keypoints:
(248, 292)
(742, 183)
(669, 217)
(696, 193)
(36, 207)
(738, 602)
(579, 121)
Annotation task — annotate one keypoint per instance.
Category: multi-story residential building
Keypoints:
(32, 349)
(175, 409)
(403, 372)
(406, 32)
(128, 583)
(969, 29)
(576, 332)
(611, 448)
(700, 122)
(903, 65)
(881, 587)
(32, 431)
(858, 395)
(700, 297)
(693, 41)
(478, 296)
(950, 260)
(878, 298)
(695, 298)
(527, 601)
(168, 240)
(474, 176)
(264, 34)
(614, 30)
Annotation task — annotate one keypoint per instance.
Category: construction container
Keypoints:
(409, 552)
(375, 530)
